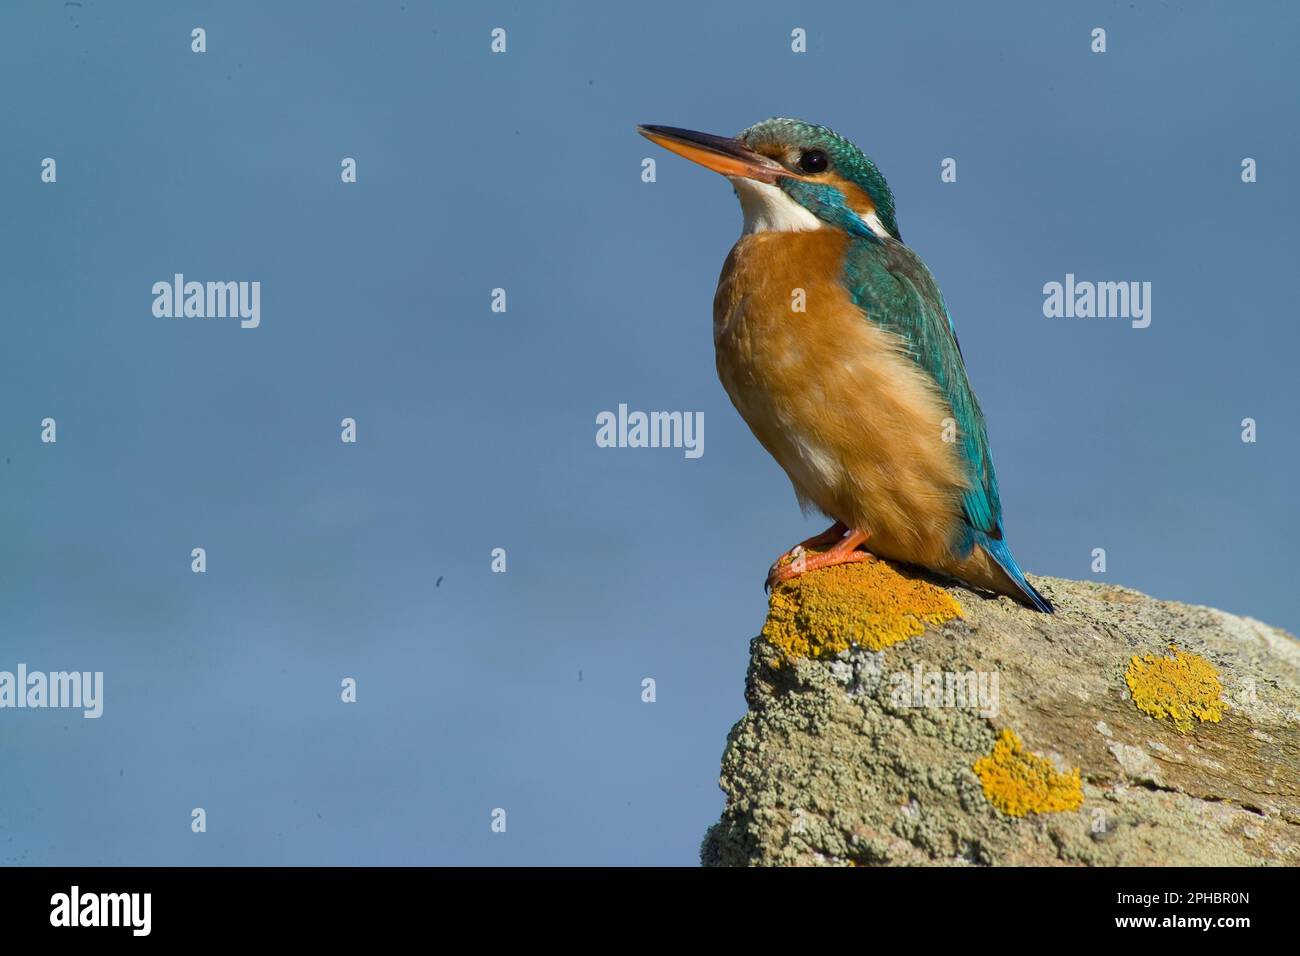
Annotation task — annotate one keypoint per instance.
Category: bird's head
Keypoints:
(792, 175)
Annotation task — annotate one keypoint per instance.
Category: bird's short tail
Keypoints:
(997, 549)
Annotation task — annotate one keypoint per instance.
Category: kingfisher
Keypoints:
(835, 346)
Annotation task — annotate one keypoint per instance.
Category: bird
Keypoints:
(835, 345)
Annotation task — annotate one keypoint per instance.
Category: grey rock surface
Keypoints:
(835, 765)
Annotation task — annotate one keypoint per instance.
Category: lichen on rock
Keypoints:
(1018, 782)
(871, 604)
(1182, 687)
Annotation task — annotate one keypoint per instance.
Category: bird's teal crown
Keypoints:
(849, 162)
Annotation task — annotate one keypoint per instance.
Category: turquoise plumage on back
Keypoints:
(897, 292)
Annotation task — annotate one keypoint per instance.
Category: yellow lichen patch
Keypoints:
(1018, 782)
(1181, 687)
(872, 605)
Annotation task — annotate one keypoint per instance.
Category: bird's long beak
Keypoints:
(730, 157)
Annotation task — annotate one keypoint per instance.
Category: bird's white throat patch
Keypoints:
(769, 209)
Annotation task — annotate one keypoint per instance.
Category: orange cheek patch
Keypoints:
(854, 195)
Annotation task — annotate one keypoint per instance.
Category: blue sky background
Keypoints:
(477, 429)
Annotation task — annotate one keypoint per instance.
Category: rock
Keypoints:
(895, 719)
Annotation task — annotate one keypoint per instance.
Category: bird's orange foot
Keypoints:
(824, 540)
(799, 560)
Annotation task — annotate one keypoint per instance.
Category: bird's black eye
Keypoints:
(813, 161)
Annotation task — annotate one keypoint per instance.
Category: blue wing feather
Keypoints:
(896, 291)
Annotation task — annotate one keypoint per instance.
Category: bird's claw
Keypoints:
(777, 573)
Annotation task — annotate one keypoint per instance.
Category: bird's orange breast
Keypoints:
(859, 429)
